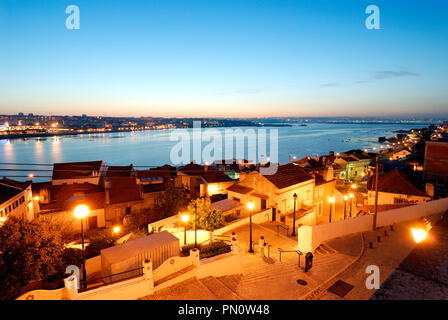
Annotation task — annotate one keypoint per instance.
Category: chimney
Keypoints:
(206, 167)
(107, 189)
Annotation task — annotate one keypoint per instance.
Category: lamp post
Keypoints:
(331, 200)
(351, 196)
(250, 205)
(345, 206)
(81, 212)
(195, 225)
(185, 219)
(294, 217)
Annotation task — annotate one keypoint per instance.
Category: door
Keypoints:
(273, 213)
(93, 224)
(263, 204)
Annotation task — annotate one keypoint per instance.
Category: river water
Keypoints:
(153, 148)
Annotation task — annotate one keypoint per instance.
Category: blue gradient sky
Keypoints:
(224, 58)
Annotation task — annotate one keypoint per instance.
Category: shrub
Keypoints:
(186, 249)
(214, 249)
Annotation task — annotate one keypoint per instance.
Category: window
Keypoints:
(128, 210)
(321, 191)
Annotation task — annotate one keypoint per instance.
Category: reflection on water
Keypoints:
(149, 148)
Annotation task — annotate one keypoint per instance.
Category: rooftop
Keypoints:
(288, 175)
(75, 170)
(394, 181)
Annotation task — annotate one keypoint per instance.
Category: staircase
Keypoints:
(324, 249)
(219, 289)
(175, 277)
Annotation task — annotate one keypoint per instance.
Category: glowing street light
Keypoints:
(420, 230)
(250, 205)
(116, 229)
(351, 196)
(419, 234)
(80, 212)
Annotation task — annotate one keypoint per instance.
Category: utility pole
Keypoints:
(376, 191)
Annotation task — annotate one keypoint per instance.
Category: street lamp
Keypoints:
(331, 200)
(185, 218)
(351, 195)
(294, 217)
(81, 212)
(195, 225)
(250, 205)
(117, 229)
(345, 205)
(420, 230)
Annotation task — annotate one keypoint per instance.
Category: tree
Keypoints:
(206, 218)
(28, 251)
(173, 200)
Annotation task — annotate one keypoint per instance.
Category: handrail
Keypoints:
(109, 276)
(280, 251)
(282, 226)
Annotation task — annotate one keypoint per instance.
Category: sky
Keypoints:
(224, 58)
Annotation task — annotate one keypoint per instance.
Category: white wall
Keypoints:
(310, 237)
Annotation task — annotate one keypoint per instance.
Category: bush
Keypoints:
(100, 242)
(186, 249)
(214, 249)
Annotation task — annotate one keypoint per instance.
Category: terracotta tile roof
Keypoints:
(153, 187)
(165, 171)
(309, 162)
(10, 188)
(288, 175)
(74, 170)
(124, 189)
(394, 181)
(210, 175)
(119, 171)
(240, 189)
(215, 176)
(67, 196)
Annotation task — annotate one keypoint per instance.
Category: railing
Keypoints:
(84, 283)
(217, 237)
(280, 251)
(283, 227)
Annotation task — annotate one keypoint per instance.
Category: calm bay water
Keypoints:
(152, 148)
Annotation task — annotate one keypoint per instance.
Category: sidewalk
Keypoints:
(387, 255)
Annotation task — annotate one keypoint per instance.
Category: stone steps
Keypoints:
(219, 289)
(289, 268)
(174, 275)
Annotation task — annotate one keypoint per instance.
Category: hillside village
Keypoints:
(129, 204)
